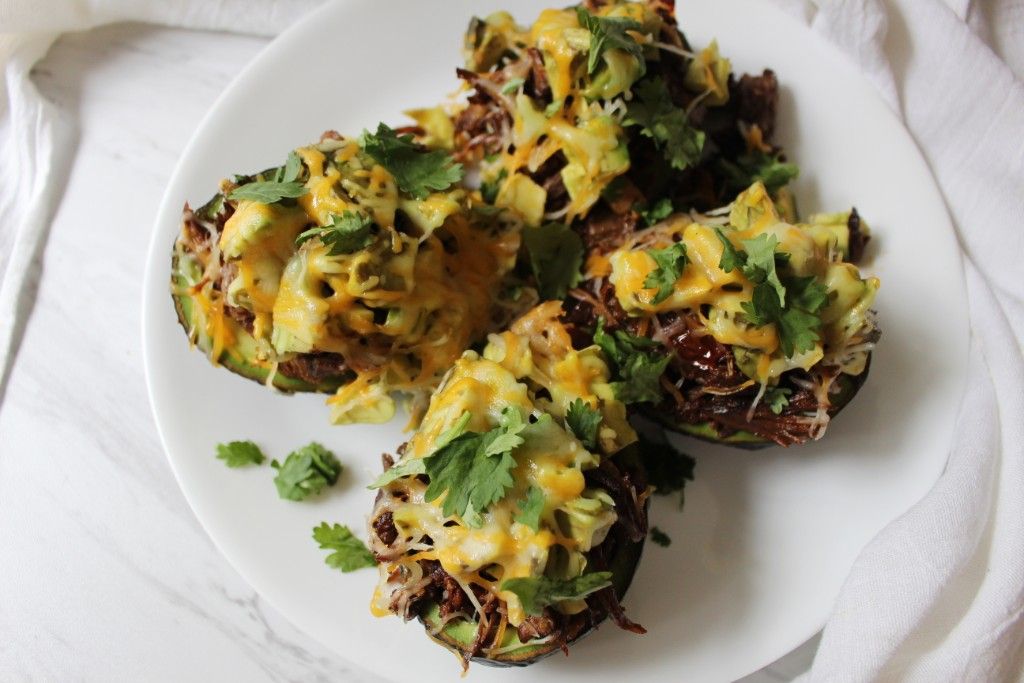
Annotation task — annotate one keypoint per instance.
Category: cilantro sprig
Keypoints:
(556, 255)
(530, 508)
(671, 262)
(474, 470)
(668, 469)
(659, 119)
(584, 422)
(777, 398)
(791, 303)
(417, 171)
(284, 183)
(349, 553)
(609, 33)
(638, 364)
(346, 233)
(656, 212)
(305, 472)
(536, 593)
(758, 166)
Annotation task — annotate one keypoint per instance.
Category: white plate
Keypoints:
(766, 538)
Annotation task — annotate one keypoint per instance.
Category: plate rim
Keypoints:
(156, 250)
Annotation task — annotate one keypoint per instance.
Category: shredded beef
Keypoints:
(537, 85)
(758, 100)
(315, 367)
(699, 363)
(384, 527)
(537, 626)
(858, 238)
(453, 599)
(603, 230)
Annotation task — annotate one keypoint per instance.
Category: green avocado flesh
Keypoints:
(848, 387)
(240, 358)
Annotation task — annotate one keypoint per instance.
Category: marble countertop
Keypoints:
(106, 573)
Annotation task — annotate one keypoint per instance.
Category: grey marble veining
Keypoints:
(105, 574)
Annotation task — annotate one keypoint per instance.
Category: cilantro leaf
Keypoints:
(538, 592)
(349, 553)
(760, 263)
(638, 365)
(240, 453)
(409, 468)
(505, 437)
(584, 422)
(416, 170)
(268, 191)
(671, 262)
(757, 166)
(806, 293)
(474, 470)
(530, 508)
(306, 471)
(777, 398)
(796, 322)
(656, 212)
(609, 33)
(732, 257)
(660, 537)
(792, 306)
(556, 255)
(291, 169)
(416, 466)
(347, 233)
(665, 123)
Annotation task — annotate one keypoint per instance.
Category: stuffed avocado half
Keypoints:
(359, 267)
(738, 327)
(514, 519)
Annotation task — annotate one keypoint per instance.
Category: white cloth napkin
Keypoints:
(939, 594)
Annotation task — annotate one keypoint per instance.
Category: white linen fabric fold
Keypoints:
(939, 594)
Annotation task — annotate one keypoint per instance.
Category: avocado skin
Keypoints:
(236, 359)
(705, 431)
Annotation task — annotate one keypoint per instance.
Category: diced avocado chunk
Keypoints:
(299, 311)
(621, 70)
(251, 221)
(524, 196)
(832, 230)
(588, 518)
(709, 72)
(438, 126)
(486, 40)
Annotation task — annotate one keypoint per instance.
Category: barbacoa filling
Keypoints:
(763, 322)
(505, 486)
(605, 118)
(606, 108)
(347, 278)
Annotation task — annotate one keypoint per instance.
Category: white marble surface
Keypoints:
(105, 573)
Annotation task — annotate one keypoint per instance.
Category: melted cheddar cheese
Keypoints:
(400, 310)
(717, 297)
(534, 354)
